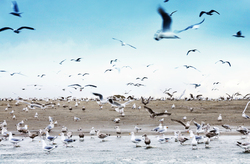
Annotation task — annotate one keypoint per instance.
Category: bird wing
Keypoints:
(214, 11)
(6, 28)
(118, 40)
(163, 113)
(200, 22)
(172, 13)
(78, 85)
(201, 13)
(188, 50)
(90, 85)
(15, 6)
(166, 19)
(114, 103)
(131, 46)
(25, 27)
(197, 124)
(150, 111)
(228, 63)
(179, 122)
(99, 95)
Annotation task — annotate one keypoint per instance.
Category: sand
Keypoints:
(93, 116)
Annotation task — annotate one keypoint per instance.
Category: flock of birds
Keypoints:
(203, 134)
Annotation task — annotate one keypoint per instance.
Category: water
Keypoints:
(122, 150)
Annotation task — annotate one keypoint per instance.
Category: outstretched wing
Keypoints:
(15, 6)
(178, 122)
(131, 46)
(201, 13)
(6, 28)
(25, 27)
(163, 113)
(99, 95)
(166, 19)
(150, 111)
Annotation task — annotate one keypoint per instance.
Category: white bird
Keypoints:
(163, 130)
(165, 32)
(194, 26)
(102, 100)
(14, 141)
(92, 131)
(66, 141)
(123, 43)
(134, 106)
(117, 120)
(50, 138)
(101, 135)
(194, 142)
(137, 129)
(48, 148)
(118, 131)
(173, 106)
(36, 115)
(219, 118)
(243, 113)
(76, 118)
(134, 139)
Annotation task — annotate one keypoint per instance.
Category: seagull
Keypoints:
(66, 141)
(189, 66)
(50, 138)
(117, 120)
(112, 61)
(16, 10)
(145, 101)
(62, 61)
(238, 35)
(48, 148)
(134, 139)
(76, 60)
(32, 135)
(194, 26)
(219, 118)
(223, 62)
(208, 13)
(107, 70)
(16, 30)
(243, 113)
(101, 135)
(137, 129)
(193, 50)
(102, 101)
(92, 131)
(186, 125)
(196, 85)
(154, 114)
(118, 131)
(14, 141)
(165, 32)
(118, 105)
(147, 141)
(226, 127)
(123, 43)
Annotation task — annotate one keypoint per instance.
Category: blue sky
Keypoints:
(72, 29)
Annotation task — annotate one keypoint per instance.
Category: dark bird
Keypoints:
(90, 85)
(223, 62)
(108, 70)
(16, 30)
(16, 10)
(112, 61)
(166, 1)
(172, 13)
(196, 85)
(216, 83)
(194, 26)
(193, 50)
(186, 125)
(146, 139)
(76, 60)
(124, 44)
(74, 85)
(208, 13)
(62, 61)
(154, 114)
(239, 35)
(189, 66)
(144, 78)
(165, 32)
(145, 101)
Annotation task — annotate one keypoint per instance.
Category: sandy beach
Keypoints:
(93, 116)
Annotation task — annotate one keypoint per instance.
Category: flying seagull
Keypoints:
(196, 85)
(108, 70)
(189, 66)
(208, 13)
(16, 10)
(62, 61)
(17, 30)
(193, 50)
(223, 62)
(165, 32)
(238, 35)
(123, 43)
(154, 114)
(76, 60)
(194, 26)
(111, 61)
(90, 85)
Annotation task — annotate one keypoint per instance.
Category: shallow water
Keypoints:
(122, 150)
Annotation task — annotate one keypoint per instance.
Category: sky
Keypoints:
(84, 29)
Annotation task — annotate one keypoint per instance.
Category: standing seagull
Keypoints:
(194, 26)
(124, 44)
(208, 13)
(165, 32)
(17, 30)
(238, 35)
(193, 50)
(16, 10)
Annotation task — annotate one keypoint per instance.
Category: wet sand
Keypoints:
(92, 116)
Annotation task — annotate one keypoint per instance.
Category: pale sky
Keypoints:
(84, 29)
